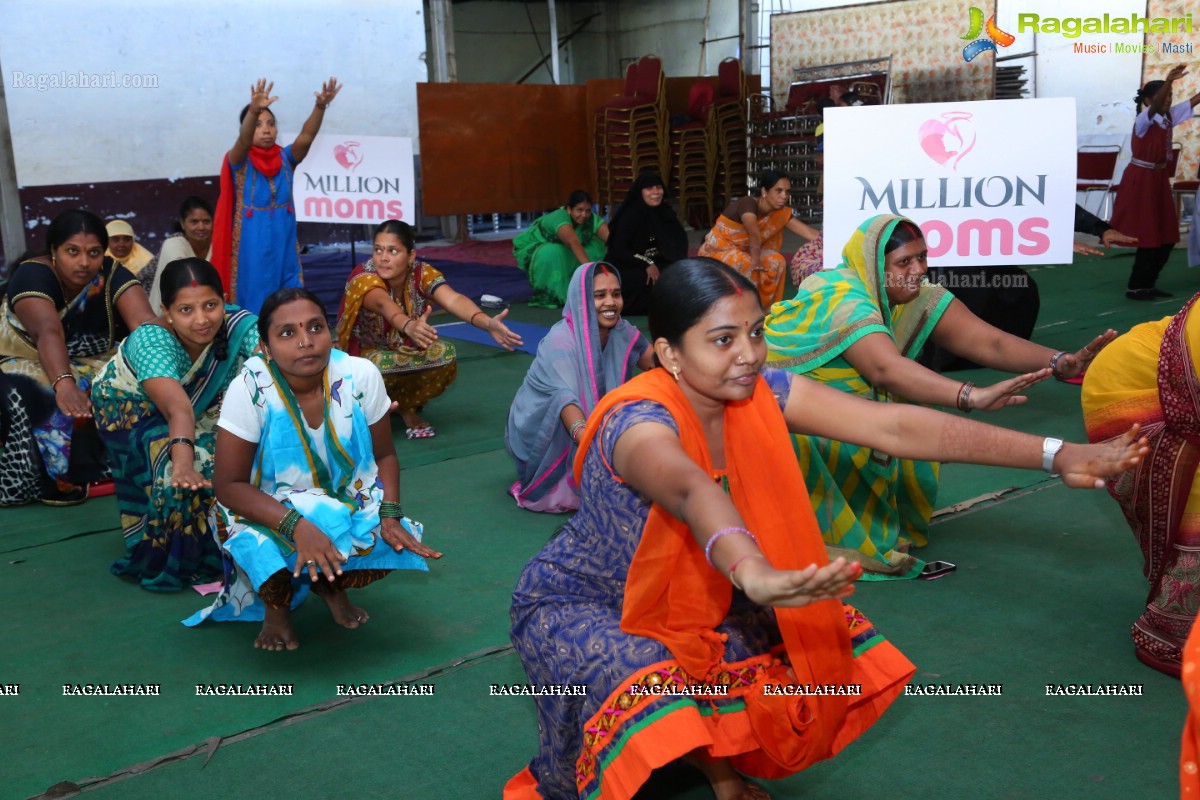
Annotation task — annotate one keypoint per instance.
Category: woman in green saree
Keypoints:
(859, 328)
(556, 245)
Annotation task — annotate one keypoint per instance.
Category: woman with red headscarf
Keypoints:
(254, 236)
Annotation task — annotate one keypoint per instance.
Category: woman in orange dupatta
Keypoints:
(1151, 376)
(749, 235)
(660, 627)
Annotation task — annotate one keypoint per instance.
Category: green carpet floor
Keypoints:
(1049, 581)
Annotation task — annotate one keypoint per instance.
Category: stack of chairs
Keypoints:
(694, 157)
(630, 131)
(729, 120)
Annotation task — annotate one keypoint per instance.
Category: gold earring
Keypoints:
(675, 372)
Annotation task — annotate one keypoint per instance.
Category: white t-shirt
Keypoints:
(241, 417)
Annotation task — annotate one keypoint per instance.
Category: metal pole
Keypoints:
(438, 10)
(11, 229)
(553, 42)
(748, 36)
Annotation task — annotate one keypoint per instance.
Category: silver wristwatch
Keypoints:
(1050, 449)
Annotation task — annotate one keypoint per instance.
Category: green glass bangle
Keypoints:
(287, 526)
(390, 509)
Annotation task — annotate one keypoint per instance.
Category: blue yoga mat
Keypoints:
(531, 334)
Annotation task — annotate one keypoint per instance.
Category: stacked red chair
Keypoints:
(631, 131)
(729, 121)
(694, 157)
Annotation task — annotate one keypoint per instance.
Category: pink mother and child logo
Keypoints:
(348, 155)
(949, 139)
(995, 36)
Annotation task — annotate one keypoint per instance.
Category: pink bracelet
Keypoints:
(713, 540)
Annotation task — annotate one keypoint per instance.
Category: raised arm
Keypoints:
(312, 125)
(909, 431)
(650, 458)
(260, 98)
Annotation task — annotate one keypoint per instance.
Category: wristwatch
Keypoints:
(1050, 449)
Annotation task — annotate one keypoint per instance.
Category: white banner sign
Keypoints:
(989, 182)
(355, 179)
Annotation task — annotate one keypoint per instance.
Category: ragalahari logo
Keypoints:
(948, 139)
(995, 35)
(348, 155)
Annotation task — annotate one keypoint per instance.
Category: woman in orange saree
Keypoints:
(749, 235)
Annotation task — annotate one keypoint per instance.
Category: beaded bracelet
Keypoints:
(964, 397)
(180, 440)
(713, 540)
(1054, 362)
(287, 526)
(54, 382)
(576, 427)
(473, 316)
(390, 509)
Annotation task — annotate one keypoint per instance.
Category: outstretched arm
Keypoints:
(909, 431)
(650, 458)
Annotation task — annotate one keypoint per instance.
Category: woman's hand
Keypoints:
(652, 274)
(504, 337)
(771, 587)
(1005, 393)
(314, 551)
(400, 539)
(1113, 236)
(1073, 364)
(71, 399)
(420, 331)
(329, 90)
(1086, 249)
(1085, 466)
(260, 96)
(186, 477)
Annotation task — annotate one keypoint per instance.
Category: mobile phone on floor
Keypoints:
(936, 569)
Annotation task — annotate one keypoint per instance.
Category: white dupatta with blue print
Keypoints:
(336, 488)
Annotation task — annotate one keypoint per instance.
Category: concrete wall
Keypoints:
(200, 64)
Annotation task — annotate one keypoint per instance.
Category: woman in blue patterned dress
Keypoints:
(306, 478)
(634, 598)
(156, 404)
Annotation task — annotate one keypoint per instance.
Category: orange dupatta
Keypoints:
(673, 596)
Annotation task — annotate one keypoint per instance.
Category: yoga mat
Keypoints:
(531, 334)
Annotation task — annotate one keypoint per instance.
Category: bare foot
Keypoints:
(344, 613)
(277, 633)
(727, 783)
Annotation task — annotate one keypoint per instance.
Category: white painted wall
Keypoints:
(203, 56)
